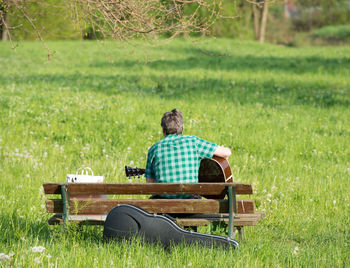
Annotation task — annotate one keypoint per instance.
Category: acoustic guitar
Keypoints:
(211, 170)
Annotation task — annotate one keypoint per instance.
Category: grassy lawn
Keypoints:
(284, 112)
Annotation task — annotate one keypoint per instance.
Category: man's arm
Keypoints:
(223, 152)
(150, 180)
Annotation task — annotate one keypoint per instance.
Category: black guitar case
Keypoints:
(127, 221)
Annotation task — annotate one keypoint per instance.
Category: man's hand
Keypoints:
(150, 180)
(223, 152)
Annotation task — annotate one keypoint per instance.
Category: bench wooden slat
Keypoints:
(101, 206)
(249, 220)
(239, 220)
(147, 188)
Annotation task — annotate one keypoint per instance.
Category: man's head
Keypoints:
(172, 122)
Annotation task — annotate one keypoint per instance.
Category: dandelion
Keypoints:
(295, 251)
(5, 257)
(38, 249)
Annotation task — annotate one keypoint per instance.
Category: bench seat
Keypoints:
(83, 202)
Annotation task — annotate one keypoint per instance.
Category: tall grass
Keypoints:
(283, 111)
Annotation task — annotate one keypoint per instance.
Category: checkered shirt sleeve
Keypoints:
(205, 148)
(149, 172)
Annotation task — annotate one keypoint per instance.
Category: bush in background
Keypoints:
(339, 33)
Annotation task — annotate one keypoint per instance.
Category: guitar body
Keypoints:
(214, 170)
(127, 221)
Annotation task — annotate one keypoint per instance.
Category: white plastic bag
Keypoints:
(84, 177)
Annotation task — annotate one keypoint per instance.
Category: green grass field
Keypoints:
(284, 112)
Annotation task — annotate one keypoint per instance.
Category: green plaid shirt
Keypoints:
(176, 158)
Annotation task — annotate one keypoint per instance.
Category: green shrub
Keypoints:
(333, 33)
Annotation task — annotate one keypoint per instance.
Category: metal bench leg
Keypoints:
(65, 199)
(232, 210)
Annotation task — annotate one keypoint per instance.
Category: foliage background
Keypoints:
(56, 20)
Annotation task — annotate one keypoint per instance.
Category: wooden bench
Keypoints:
(237, 213)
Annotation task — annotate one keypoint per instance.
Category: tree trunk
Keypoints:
(260, 11)
(263, 23)
(256, 21)
(4, 26)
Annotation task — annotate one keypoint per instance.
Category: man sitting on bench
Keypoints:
(176, 158)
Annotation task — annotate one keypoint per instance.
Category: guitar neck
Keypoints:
(133, 172)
